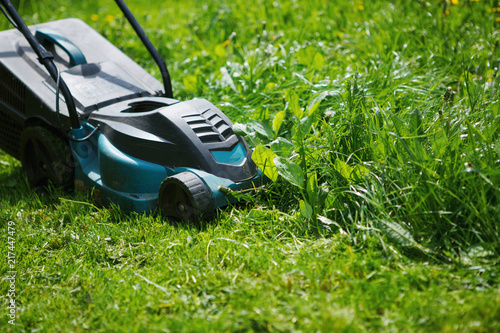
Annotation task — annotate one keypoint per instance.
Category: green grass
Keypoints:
(384, 121)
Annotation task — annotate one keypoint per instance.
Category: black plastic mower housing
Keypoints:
(135, 147)
(27, 92)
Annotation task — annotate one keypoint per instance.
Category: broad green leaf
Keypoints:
(316, 101)
(397, 233)
(302, 129)
(305, 125)
(278, 120)
(261, 127)
(306, 55)
(318, 61)
(311, 57)
(227, 80)
(359, 172)
(290, 171)
(293, 103)
(420, 152)
(327, 221)
(191, 82)
(489, 72)
(249, 135)
(270, 86)
(416, 122)
(220, 50)
(439, 144)
(305, 209)
(379, 148)
(474, 129)
(240, 129)
(262, 114)
(263, 157)
(342, 168)
(312, 188)
(282, 146)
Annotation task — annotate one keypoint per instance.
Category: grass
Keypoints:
(379, 122)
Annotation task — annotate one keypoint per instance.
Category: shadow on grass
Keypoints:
(15, 190)
(16, 193)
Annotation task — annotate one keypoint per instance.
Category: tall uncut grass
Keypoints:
(410, 94)
(378, 123)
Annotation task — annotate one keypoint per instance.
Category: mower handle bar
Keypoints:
(46, 58)
(167, 84)
(48, 36)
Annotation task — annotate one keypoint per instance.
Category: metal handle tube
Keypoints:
(45, 58)
(149, 46)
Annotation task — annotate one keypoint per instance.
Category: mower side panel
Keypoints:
(193, 134)
(11, 119)
(132, 183)
(117, 178)
(124, 173)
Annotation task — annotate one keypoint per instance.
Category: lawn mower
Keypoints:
(76, 111)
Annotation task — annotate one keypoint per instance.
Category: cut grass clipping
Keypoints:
(378, 122)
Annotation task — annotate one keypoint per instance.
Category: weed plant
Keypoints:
(378, 123)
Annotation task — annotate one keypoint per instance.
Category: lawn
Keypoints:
(378, 123)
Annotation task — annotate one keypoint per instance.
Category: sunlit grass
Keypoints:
(404, 147)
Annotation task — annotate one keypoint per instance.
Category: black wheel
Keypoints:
(46, 157)
(185, 197)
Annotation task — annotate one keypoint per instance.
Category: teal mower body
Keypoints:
(78, 112)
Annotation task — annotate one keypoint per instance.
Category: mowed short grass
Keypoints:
(379, 122)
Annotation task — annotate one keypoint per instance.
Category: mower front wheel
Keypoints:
(46, 158)
(185, 197)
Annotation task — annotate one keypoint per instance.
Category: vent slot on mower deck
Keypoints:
(209, 127)
(144, 106)
(11, 134)
(12, 91)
